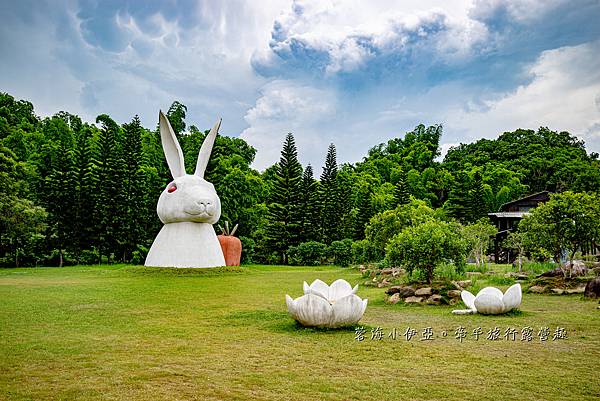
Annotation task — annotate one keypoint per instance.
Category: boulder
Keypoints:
(435, 299)
(558, 291)
(413, 300)
(424, 292)
(387, 271)
(394, 299)
(403, 291)
(462, 284)
(578, 290)
(454, 293)
(592, 288)
(537, 289)
(579, 269)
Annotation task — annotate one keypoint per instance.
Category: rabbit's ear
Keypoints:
(171, 147)
(206, 149)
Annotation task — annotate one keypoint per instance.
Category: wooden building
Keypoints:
(507, 220)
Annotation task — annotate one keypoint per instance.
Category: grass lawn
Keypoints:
(131, 333)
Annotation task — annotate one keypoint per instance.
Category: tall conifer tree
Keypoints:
(285, 216)
(330, 195)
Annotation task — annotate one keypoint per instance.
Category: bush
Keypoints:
(341, 251)
(362, 252)
(307, 254)
(426, 246)
(247, 250)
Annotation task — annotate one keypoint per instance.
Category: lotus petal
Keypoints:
(488, 303)
(364, 307)
(347, 310)
(512, 297)
(339, 289)
(468, 299)
(290, 304)
(318, 288)
(306, 288)
(312, 310)
(491, 290)
(355, 289)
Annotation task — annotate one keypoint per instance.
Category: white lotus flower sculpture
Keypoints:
(327, 306)
(491, 301)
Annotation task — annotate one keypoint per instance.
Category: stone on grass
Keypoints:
(578, 290)
(537, 289)
(454, 293)
(403, 291)
(423, 292)
(463, 284)
(434, 299)
(558, 291)
(394, 299)
(471, 274)
(592, 288)
(413, 300)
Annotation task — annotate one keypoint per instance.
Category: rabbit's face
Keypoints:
(189, 198)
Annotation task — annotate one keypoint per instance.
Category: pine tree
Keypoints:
(364, 210)
(401, 193)
(84, 194)
(133, 190)
(285, 207)
(330, 195)
(311, 206)
(459, 203)
(110, 194)
(478, 206)
(61, 187)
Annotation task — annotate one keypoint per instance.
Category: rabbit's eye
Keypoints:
(172, 189)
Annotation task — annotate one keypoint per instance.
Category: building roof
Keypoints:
(509, 214)
(507, 204)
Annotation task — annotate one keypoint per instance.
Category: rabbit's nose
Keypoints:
(205, 203)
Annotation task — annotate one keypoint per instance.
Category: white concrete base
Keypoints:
(186, 244)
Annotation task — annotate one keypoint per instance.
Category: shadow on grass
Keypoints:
(280, 322)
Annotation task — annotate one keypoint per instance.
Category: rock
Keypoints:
(362, 268)
(578, 290)
(522, 277)
(462, 284)
(384, 283)
(454, 293)
(434, 299)
(424, 292)
(394, 299)
(387, 271)
(579, 269)
(403, 291)
(413, 300)
(453, 301)
(537, 289)
(463, 312)
(592, 288)
(472, 274)
(558, 291)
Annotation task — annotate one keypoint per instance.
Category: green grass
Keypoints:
(132, 333)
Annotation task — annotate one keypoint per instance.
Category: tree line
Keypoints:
(74, 192)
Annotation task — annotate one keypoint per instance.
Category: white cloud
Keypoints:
(562, 94)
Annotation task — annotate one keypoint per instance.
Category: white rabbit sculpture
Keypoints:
(188, 207)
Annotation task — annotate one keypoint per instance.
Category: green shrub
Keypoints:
(309, 253)
(341, 251)
(363, 252)
(248, 245)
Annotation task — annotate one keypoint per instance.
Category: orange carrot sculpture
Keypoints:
(231, 246)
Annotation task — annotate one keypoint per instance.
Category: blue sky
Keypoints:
(350, 72)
